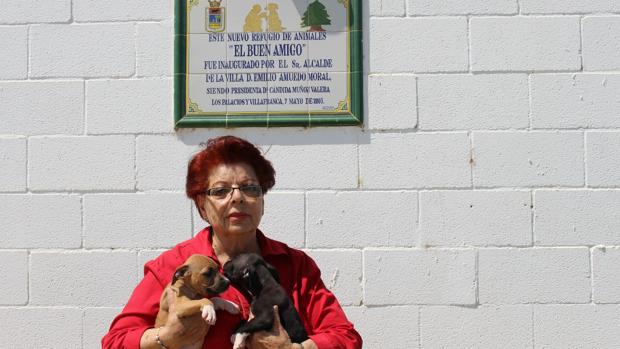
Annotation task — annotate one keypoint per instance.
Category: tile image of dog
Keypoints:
(194, 281)
(250, 273)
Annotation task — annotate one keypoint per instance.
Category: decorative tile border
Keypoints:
(268, 63)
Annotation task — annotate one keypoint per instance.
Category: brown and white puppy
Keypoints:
(194, 281)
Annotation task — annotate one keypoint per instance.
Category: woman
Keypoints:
(227, 181)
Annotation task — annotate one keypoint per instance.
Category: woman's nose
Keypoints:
(236, 195)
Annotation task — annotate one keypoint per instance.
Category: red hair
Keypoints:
(226, 150)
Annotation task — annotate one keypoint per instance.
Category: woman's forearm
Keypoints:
(148, 339)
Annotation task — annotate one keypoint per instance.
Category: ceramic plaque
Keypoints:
(268, 63)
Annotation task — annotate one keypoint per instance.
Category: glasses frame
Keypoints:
(232, 190)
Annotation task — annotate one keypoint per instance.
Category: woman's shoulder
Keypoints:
(170, 259)
(296, 258)
(272, 247)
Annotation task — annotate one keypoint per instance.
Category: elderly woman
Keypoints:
(227, 181)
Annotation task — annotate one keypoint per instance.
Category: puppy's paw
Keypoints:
(208, 313)
(238, 340)
(226, 305)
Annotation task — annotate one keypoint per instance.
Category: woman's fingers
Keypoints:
(185, 331)
(273, 339)
(171, 300)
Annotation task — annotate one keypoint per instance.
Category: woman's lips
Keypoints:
(238, 215)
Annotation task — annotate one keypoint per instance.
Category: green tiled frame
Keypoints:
(355, 117)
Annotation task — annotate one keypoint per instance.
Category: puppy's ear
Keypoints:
(180, 272)
(273, 272)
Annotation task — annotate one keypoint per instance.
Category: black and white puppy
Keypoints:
(250, 273)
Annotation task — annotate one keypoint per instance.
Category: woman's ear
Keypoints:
(200, 205)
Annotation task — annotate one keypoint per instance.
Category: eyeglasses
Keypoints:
(251, 190)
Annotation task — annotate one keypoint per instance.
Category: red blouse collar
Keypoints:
(267, 246)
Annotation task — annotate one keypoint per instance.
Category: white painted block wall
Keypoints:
(477, 208)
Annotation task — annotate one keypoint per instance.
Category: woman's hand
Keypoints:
(276, 338)
(182, 332)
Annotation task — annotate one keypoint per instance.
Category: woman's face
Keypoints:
(236, 213)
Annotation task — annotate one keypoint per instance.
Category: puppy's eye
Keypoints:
(209, 273)
(246, 273)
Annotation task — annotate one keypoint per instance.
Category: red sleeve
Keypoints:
(329, 326)
(140, 312)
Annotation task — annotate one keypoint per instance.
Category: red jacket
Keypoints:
(320, 312)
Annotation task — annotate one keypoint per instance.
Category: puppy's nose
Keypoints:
(225, 281)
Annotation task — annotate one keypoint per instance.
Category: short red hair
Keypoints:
(226, 150)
